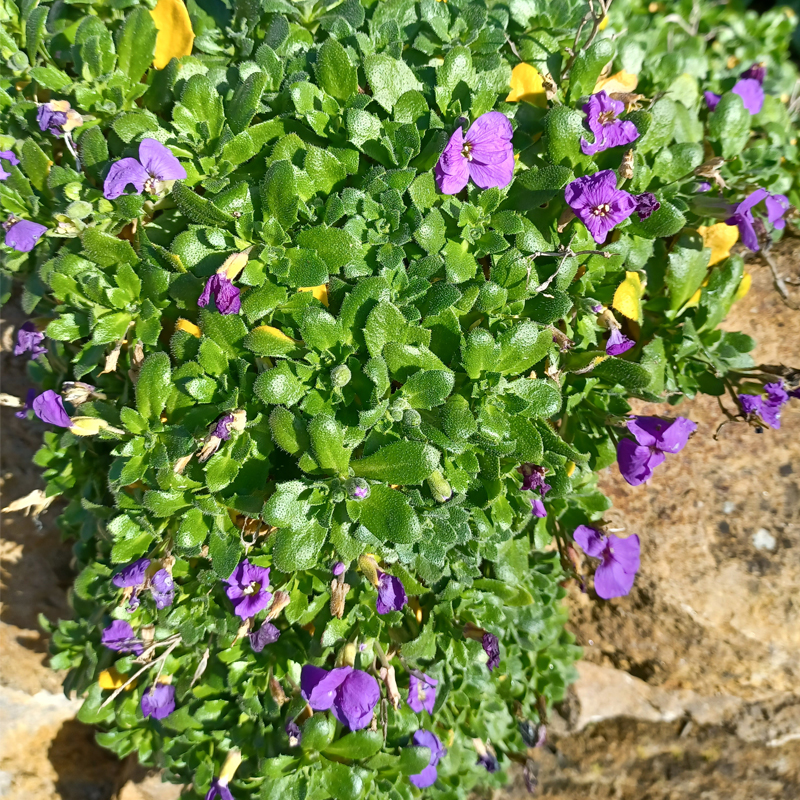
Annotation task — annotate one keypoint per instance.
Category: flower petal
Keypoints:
(123, 172)
(158, 160)
(24, 234)
(175, 35)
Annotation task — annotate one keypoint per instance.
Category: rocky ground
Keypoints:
(689, 685)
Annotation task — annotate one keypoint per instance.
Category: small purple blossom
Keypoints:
(154, 165)
(489, 762)
(619, 560)
(360, 492)
(704, 186)
(422, 693)
(226, 296)
(767, 410)
(654, 437)
(133, 575)
(776, 205)
(219, 790)
(338, 568)
(294, 733)
(23, 234)
(27, 406)
(752, 94)
(533, 478)
(537, 508)
(756, 72)
(222, 428)
(597, 308)
(158, 701)
(49, 407)
(646, 204)
(428, 776)
(491, 646)
(618, 343)
(7, 155)
(598, 204)
(712, 99)
(602, 114)
(50, 121)
(391, 593)
(29, 340)
(266, 634)
(247, 589)
(350, 693)
(119, 636)
(484, 154)
(162, 588)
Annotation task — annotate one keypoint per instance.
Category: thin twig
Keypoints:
(777, 281)
(162, 658)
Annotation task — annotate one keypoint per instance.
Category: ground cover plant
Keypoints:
(336, 312)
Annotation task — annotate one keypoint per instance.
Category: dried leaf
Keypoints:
(618, 82)
(627, 298)
(720, 238)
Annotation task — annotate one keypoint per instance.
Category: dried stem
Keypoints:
(160, 660)
(778, 281)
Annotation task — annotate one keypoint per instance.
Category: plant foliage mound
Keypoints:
(336, 312)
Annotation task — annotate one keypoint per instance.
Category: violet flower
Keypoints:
(756, 72)
(133, 575)
(422, 693)
(247, 589)
(51, 121)
(226, 296)
(119, 636)
(27, 406)
(619, 560)
(162, 588)
(488, 760)
(428, 776)
(23, 234)
(294, 733)
(219, 790)
(646, 204)
(222, 427)
(704, 186)
(618, 343)
(7, 155)
(338, 568)
(752, 94)
(360, 492)
(155, 165)
(537, 508)
(29, 340)
(158, 701)
(484, 154)
(533, 478)
(49, 407)
(598, 204)
(767, 410)
(654, 437)
(602, 118)
(266, 634)
(491, 646)
(776, 205)
(712, 99)
(350, 693)
(391, 593)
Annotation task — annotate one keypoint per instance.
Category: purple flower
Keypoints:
(491, 647)
(27, 405)
(752, 94)
(23, 234)
(653, 438)
(533, 478)
(426, 778)
(769, 410)
(49, 407)
(7, 155)
(360, 492)
(219, 790)
(29, 340)
(391, 594)
(350, 693)
(422, 693)
(119, 636)
(266, 634)
(485, 154)
(338, 568)
(602, 113)
(743, 217)
(646, 204)
(225, 294)
(619, 560)
(162, 588)
(247, 589)
(294, 733)
(158, 701)
(712, 100)
(618, 343)
(705, 186)
(537, 508)
(488, 761)
(777, 205)
(133, 575)
(598, 204)
(50, 121)
(222, 429)
(155, 164)
(756, 72)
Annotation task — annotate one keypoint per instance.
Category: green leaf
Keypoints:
(319, 329)
(288, 431)
(625, 373)
(388, 516)
(521, 347)
(35, 163)
(136, 43)
(246, 101)
(459, 263)
(335, 74)
(280, 192)
(355, 746)
(335, 246)
(279, 386)
(220, 471)
(297, 549)
(543, 395)
(306, 268)
(164, 504)
(587, 68)
(430, 235)
(107, 250)
(479, 353)
(389, 78)
(154, 386)
(688, 263)
(729, 125)
(205, 104)
(327, 443)
(51, 78)
(197, 208)
(667, 221)
(428, 388)
(563, 129)
(400, 463)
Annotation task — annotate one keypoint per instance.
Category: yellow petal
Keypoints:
(112, 679)
(744, 287)
(87, 426)
(175, 35)
(189, 327)
(235, 263)
(603, 23)
(694, 299)
(619, 82)
(278, 334)
(627, 298)
(230, 766)
(320, 292)
(571, 464)
(526, 85)
(720, 238)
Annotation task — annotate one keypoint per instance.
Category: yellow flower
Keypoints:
(189, 327)
(720, 238)
(744, 287)
(527, 86)
(111, 678)
(175, 35)
(320, 292)
(278, 334)
(618, 82)
(603, 23)
(628, 297)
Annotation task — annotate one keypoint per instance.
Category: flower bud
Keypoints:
(339, 590)
(87, 426)
(77, 392)
(368, 565)
(276, 691)
(412, 418)
(347, 655)
(440, 488)
(230, 766)
(358, 489)
(626, 167)
(340, 376)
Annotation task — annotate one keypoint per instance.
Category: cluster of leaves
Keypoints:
(426, 344)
